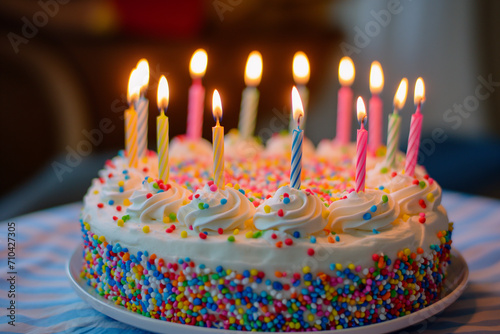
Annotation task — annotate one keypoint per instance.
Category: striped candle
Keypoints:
(296, 171)
(361, 147)
(415, 130)
(395, 124)
(131, 137)
(218, 142)
(413, 142)
(133, 91)
(297, 139)
(392, 138)
(142, 107)
(162, 130)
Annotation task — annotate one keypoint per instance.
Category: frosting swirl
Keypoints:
(119, 184)
(213, 208)
(302, 211)
(381, 175)
(155, 200)
(364, 211)
(412, 198)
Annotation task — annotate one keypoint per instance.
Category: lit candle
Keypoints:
(142, 106)
(375, 107)
(297, 138)
(301, 72)
(250, 97)
(344, 105)
(131, 119)
(162, 129)
(197, 68)
(218, 141)
(361, 147)
(415, 129)
(395, 124)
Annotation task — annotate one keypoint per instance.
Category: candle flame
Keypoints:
(361, 110)
(163, 93)
(198, 64)
(376, 78)
(134, 86)
(346, 71)
(400, 97)
(143, 70)
(301, 69)
(419, 96)
(217, 106)
(297, 108)
(253, 69)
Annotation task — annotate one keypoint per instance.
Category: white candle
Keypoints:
(250, 96)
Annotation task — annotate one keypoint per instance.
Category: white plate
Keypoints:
(458, 275)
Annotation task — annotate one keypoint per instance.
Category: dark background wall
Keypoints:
(65, 65)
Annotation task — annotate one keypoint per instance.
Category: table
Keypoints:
(45, 302)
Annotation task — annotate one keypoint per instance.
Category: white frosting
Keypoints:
(280, 144)
(349, 213)
(237, 147)
(182, 147)
(119, 184)
(161, 203)
(380, 175)
(304, 213)
(229, 216)
(356, 245)
(408, 195)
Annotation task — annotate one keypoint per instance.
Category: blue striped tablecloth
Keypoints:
(45, 302)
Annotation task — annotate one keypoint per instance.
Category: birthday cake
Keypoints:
(260, 254)
(264, 240)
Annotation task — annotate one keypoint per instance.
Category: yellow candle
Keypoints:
(162, 130)
(131, 120)
(218, 141)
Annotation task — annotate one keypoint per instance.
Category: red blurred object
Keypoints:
(161, 18)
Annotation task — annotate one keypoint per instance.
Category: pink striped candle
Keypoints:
(375, 107)
(197, 69)
(361, 147)
(344, 104)
(142, 107)
(415, 129)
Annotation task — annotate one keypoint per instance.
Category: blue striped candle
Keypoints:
(297, 138)
(295, 174)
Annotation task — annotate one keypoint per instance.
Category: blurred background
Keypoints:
(65, 66)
